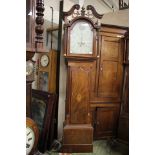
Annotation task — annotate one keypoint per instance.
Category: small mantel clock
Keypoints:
(81, 52)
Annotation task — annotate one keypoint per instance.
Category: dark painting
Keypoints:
(43, 107)
(38, 111)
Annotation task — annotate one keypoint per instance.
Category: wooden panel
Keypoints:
(113, 30)
(108, 79)
(79, 91)
(52, 79)
(125, 100)
(106, 97)
(110, 68)
(123, 129)
(106, 121)
(110, 48)
(78, 134)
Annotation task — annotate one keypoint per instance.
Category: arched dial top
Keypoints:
(81, 33)
(81, 38)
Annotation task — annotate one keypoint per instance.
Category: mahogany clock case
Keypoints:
(43, 113)
(78, 130)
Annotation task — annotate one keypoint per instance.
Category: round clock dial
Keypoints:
(30, 139)
(29, 67)
(32, 134)
(44, 60)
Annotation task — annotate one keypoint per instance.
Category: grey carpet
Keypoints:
(102, 147)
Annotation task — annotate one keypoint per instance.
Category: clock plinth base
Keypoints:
(78, 138)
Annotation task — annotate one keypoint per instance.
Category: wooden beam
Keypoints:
(55, 28)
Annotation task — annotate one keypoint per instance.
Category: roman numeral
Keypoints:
(28, 133)
(27, 145)
(29, 139)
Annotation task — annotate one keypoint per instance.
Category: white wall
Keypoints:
(48, 12)
(120, 18)
(98, 4)
(62, 95)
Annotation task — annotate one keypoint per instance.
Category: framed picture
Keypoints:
(43, 107)
(123, 4)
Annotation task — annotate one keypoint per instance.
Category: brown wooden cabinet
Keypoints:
(110, 68)
(79, 74)
(106, 96)
(105, 122)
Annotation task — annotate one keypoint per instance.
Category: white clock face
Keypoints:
(29, 67)
(81, 39)
(30, 138)
(44, 60)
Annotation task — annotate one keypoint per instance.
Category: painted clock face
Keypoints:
(44, 60)
(81, 38)
(30, 139)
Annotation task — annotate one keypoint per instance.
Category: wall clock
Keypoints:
(32, 134)
(46, 78)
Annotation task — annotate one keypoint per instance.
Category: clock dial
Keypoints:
(29, 67)
(44, 60)
(81, 39)
(30, 139)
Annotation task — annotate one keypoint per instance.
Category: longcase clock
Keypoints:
(81, 53)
